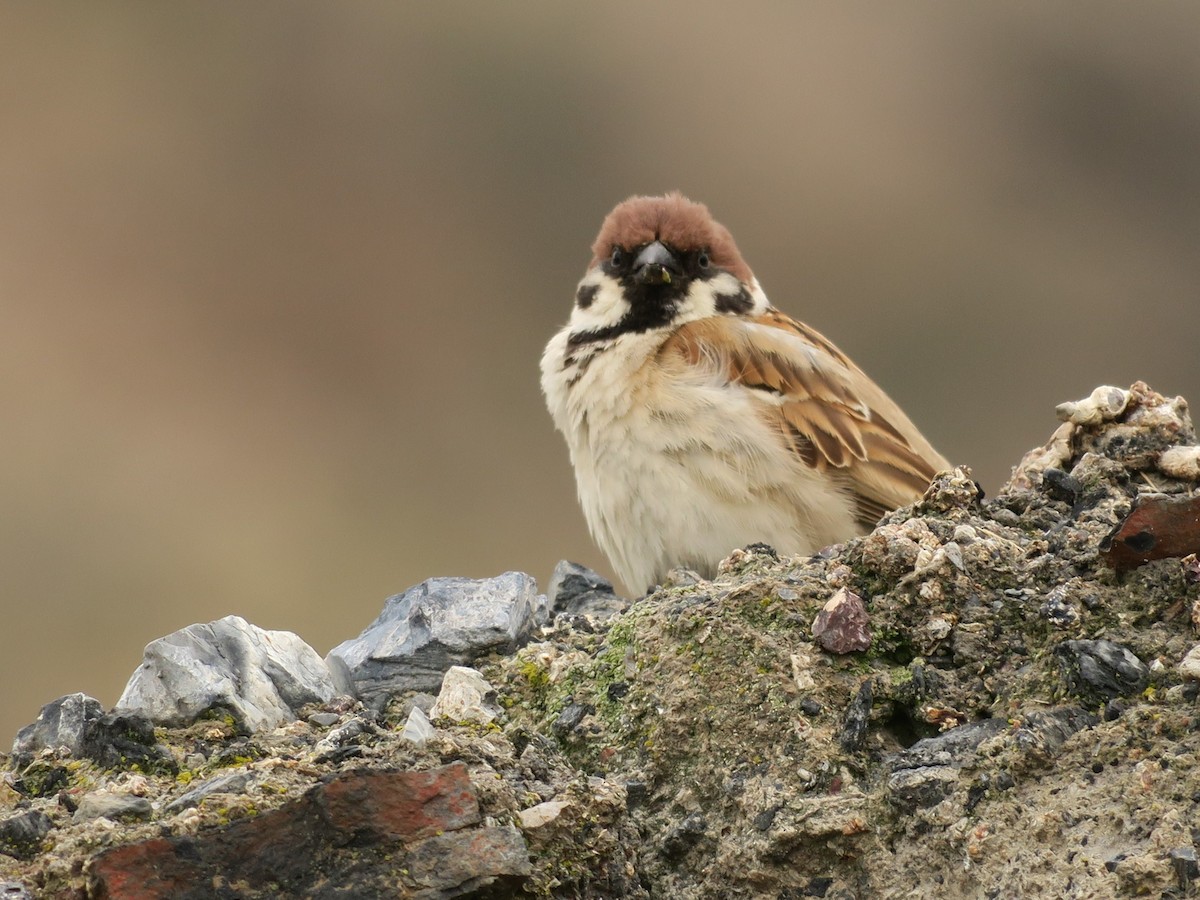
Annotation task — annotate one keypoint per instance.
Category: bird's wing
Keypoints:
(834, 417)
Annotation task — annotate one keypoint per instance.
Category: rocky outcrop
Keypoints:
(259, 678)
(981, 698)
(440, 623)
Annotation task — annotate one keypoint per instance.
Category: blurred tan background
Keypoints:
(275, 278)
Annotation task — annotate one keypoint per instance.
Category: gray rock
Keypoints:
(858, 718)
(684, 836)
(21, 835)
(1187, 868)
(261, 678)
(542, 814)
(571, 716)
(99, 805)
(121, 739)
(1042, 734)
(955, 747)
(229, 783)
(1098, 671)
(466, 697)
(421, 699)
(911, 789)
(14, 890)
(578, 591)
(440, 623)
(480, 862)
(61, 723)
(348, 734)
(417, 728)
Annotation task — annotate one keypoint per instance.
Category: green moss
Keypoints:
(892, 644)
(239, 754)
(221, 716)
(536, 678)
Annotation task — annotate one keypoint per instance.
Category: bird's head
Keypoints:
(659, 262)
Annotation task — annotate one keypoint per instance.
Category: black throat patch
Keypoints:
(651, 306)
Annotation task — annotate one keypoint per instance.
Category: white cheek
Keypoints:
(701, 300)
(761, 303)
(608, 306)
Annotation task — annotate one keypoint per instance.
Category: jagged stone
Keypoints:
(467, 862)
(1100, 670)
(571, 716)
(440, 623)
(1047, 731)
(1187, 867)
(858, 717)
(465, 697)
(61, 723)
(842, 625)
(542, 814)
(955, 747)
(21, 835)
(100, 805)
(417, 727)
(229, 783)
(925, 786)
(122, 739)
(284, 848)
(576, 590)
(260, 678)
(1189, 666)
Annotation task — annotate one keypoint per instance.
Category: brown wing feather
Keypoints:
(833, 416)
(868, 511)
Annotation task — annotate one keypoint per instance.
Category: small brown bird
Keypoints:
(701, 419)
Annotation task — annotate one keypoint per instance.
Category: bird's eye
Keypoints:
(702, 260)
(617, 257)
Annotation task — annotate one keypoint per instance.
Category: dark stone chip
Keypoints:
(121, 740)
(617, 690)
(684, 836)
(568, 720)
(858, 718)
(1099, 671)
(21, 835)
(766, 818)
(1185, 864)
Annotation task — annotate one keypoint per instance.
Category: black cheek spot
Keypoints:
(738, 303)
(586, 294)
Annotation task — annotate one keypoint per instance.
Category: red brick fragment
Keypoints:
(293, 847)
(1158, 526)
(149, 870)
(381, 806)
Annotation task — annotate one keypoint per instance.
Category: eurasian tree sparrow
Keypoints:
(701, 419)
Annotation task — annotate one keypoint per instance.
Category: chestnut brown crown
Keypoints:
(674, 220)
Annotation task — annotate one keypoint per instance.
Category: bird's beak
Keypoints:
(655, 264)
